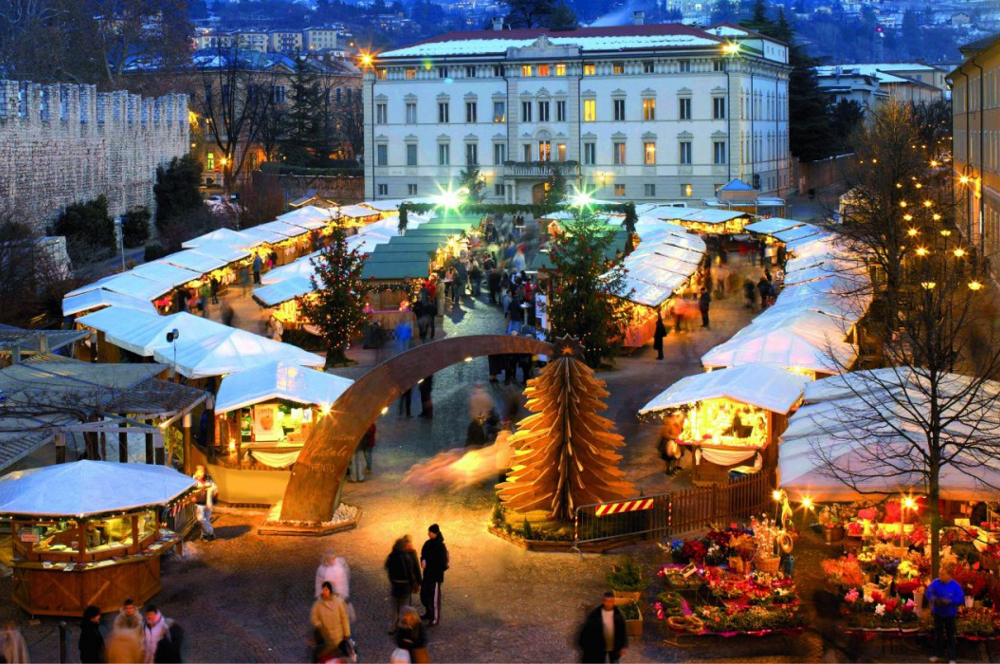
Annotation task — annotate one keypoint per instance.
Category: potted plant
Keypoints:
(832, 522)
(626, 581)
(633, 618)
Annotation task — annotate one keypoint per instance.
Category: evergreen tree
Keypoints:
(469, 180)
(529, 13)
(589, 283)
(782, 28)
(89, 230)
(845, 116)
(556, 191)
(758, 21)
(336, 305)
(562, 18)
(176, 189)
(564, 452)
(305, 140)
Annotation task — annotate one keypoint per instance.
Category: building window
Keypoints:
(470, 111)
(500, 190)
(618, 150)
(560, 70)
(684, 108)
(277, 92)
(718, 65)
(619, 190)
(443, 112)
(543, 111)
(444, 154)
(649, 190)
(648, 109)
(498, 71)
(499, 154)
(382, 155)
(561, 150)
(560, 111)
(589, 110)
(686, 190)
(589, 69)
(411, 113)
(525, 70)
(381, 113)
(411, 154)
(471, 154)
(647, 67)
(619, 109)
(618, 68)
(527, 152)
(590, 153)
(210, 161)
(649, 153)
(718, 152)
(499, 111)
(525, 111)
(338, 95)
(383, 190)
(685, 153)
(684, 66)
(470, 72)
(411, 190)
(544, 151)
(411, 73)
(719, 108)
(442, 72)
(543, 70)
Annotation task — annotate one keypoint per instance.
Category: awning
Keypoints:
(772, 225)
(224, 236)
(126, 283)
(265, 236)
(100, 298)
(223, 252)
(356, 212)
(797, 233)
(281, 228)
(195, 261)
(283, 291)
(165, 272)
(232, 351)
(765, 386)
(276, 380)
(702, 216)
(783, 347)
(82, 488)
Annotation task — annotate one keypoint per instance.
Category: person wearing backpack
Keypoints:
(434, 560)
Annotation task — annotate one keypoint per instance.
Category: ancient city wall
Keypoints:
(62, 144)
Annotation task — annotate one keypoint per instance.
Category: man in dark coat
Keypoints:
(426, 403)
(603, 636)
(434, 559)
(704, 301)
(404, 576)
(661, 331)
(91, 641)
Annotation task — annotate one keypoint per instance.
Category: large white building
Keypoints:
(638, 112)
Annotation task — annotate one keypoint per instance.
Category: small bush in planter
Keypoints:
(627, 577)
(631, 611)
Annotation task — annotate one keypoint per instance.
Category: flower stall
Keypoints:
(732, 417)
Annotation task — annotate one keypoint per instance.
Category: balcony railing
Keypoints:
(541, 169)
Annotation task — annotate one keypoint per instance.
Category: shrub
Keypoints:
(89, 231)
(154, 252)
(626, 577)
(135, 227)
(176, 189)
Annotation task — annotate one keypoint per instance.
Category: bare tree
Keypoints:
(237, 97)
(349, 125)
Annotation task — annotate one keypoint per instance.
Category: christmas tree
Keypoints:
(565, 452)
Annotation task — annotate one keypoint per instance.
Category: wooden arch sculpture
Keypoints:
(314, 487)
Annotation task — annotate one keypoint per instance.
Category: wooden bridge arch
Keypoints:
(314, 487)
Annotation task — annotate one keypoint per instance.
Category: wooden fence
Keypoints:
(697, 508)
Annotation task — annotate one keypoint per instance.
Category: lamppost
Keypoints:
(172, 337)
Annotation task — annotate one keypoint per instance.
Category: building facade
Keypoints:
(903, 81)
(285, 41)
(319, 39)
(62, 144)
(976, 145)
(848, 84)
(640, 112)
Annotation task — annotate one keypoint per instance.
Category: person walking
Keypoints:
(669, 450)
(411, 635)
(204, 293)
(404, 577)
(763, 287)
(258, 264)
(368, 449)
(493, 285)
(214, 285)
(357, 466)
(124, 646)
(13, 648)
(128, 619)
(945, 596)
(434, 561)
(476, 279)
(404, 402)
(426, 404)
(661, 331)
(333, 627)
(333, 569)
(704, 301)
(204, 499)
(161, 637)
(91, 640)
(748, 293)
(603, 637)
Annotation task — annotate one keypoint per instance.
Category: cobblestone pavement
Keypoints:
(247, 598)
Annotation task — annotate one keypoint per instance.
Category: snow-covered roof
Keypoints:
(762, 385)
(88, 487)
(126, 283)
(772, 225)
(231, 351)
(666, 258)
(277, 380)
(881, 71)
(282, 291)
(224, 236)
(727, 31)
(225, 252)
(165, 272)
(99, 298)
(784, 347)
(616, 38)
(264, 235)
(281, 228)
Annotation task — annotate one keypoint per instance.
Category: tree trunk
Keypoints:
(933, 497)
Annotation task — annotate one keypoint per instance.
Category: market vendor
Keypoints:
(945, 596)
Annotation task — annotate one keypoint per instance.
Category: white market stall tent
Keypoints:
(279, 380)
(836, 427)
(196, 261)
(100, 298)
(126, 284)
(231, 351)
(224, 236)
(165, 272)
(144, 334)
(309, 217)
(799, 350)
(772, 225)
(282, 229)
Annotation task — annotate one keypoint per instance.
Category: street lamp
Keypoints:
(975, 285)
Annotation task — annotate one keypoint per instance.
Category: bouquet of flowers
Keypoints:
(830, 517)
(745, 546)
(978, 622)
(843, 572)
(918, 537)
(973, 582)
(694, 551)
(855, 529)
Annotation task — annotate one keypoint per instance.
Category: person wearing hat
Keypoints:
(434, 561)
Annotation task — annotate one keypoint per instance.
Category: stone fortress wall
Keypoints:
(62, 144)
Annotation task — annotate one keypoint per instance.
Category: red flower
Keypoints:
(878, 597)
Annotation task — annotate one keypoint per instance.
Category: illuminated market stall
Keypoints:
(89, 533)
(731, 418)
(712, 221)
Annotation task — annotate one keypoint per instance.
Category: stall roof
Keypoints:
(126, 283)
(164, 272)
(766, 386)
(277, 380)
(282, 291)
(826, 430)
(356, 211)
(543, 261)
(143, 334)
(783, 347)
(83, 488)
(309, 217)
(195, 261)
(225, 236)
(29, 341)
(808, 244)
(100, 298)
(281, 228)
(797, 233)
(403, 244)
(231, 351)
(703, 216)
(301, 267)
(224, 252)
(850, 272)
(772, 225)
(401, 256)
(263, 235)
(395, 270)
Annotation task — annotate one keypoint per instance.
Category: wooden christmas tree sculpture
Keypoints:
(565, 452)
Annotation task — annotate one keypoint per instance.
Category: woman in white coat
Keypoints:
(334, 569)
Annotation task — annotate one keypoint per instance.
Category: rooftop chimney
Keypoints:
(498, 22)
(638, 17)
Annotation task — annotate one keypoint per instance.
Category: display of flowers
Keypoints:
(918, 537)
(978, 622)
(830, 516)
(843, 572)
(876, 611)
(754, 619)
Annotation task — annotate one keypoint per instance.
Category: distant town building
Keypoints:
(285, 41)
(846, 83)
(976, 144)
(309, 40)
(903, 81)
(319, 39)
(258, 42)
(638, 112)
